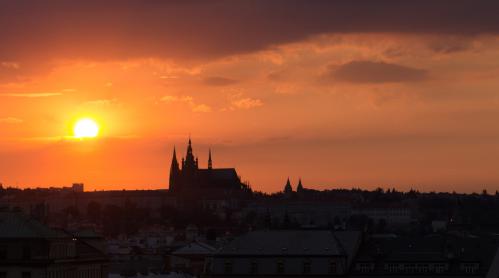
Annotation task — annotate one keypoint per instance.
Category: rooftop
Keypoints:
(288, 242)
(17, 225)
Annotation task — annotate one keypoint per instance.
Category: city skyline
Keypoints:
(340, 94)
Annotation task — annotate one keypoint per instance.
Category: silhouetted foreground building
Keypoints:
(436, 255)
(286, 253)
(29, 249)
(307, 253)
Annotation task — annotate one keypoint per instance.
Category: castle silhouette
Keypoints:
(190, 179)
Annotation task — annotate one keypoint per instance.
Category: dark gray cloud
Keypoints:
(276, 76)
(209, 29)
(451, 45)
(219, 81)
(374, 72)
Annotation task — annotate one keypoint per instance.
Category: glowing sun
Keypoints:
(86, 128)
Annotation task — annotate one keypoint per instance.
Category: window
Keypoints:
(332, 267)
(469, 267)
(439, 268)
(228, 267)
(307, 266)
(3, 253)
(280, 267)
(26, 274)
(26, 253)
(254, 267)
(423, 268)
(392, 268)
(410, 268)
(364, 267)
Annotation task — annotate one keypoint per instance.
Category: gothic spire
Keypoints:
(300, 186)
(174, 165)
(287, 188)
(174, 171)
(190, 161)
(189, 147)
(210, 164)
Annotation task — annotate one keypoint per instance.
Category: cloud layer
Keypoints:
(190, 29)
(375, 72)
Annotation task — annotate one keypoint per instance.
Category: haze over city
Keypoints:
(340, 95)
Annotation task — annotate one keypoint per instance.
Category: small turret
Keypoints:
(210, 165)
(287, 188)
(299, 188)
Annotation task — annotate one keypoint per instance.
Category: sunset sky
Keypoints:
(400, 94)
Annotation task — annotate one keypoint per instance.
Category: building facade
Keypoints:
(29, 249)
(431, 256)
(276, 253)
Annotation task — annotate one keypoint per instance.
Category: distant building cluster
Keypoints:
(211, 224)
(188, 179)
(29, 248)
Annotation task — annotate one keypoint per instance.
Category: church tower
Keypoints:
(189, 179)
(190, 164)
(174, 172)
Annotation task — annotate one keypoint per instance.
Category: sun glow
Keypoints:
(86, 128)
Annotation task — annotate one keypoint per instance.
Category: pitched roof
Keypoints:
(349, 241)
(228, 174)
(431, 248)
(195, 248)
(18, 225)
(284, 242)
(87, 251)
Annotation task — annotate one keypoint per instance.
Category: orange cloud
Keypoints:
(195, 107)
(246, 103)
(31, 95)
(11, 120)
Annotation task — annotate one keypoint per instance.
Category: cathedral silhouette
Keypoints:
(190, 179)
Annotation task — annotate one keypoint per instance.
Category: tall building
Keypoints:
(187, 177)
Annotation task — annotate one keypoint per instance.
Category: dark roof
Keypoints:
(18, 225)
(284, 242)
(349, 241)
(88, 252)
(195, 248)
(86, 234)
(225, 179)
(432, 248)
(228, 174)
